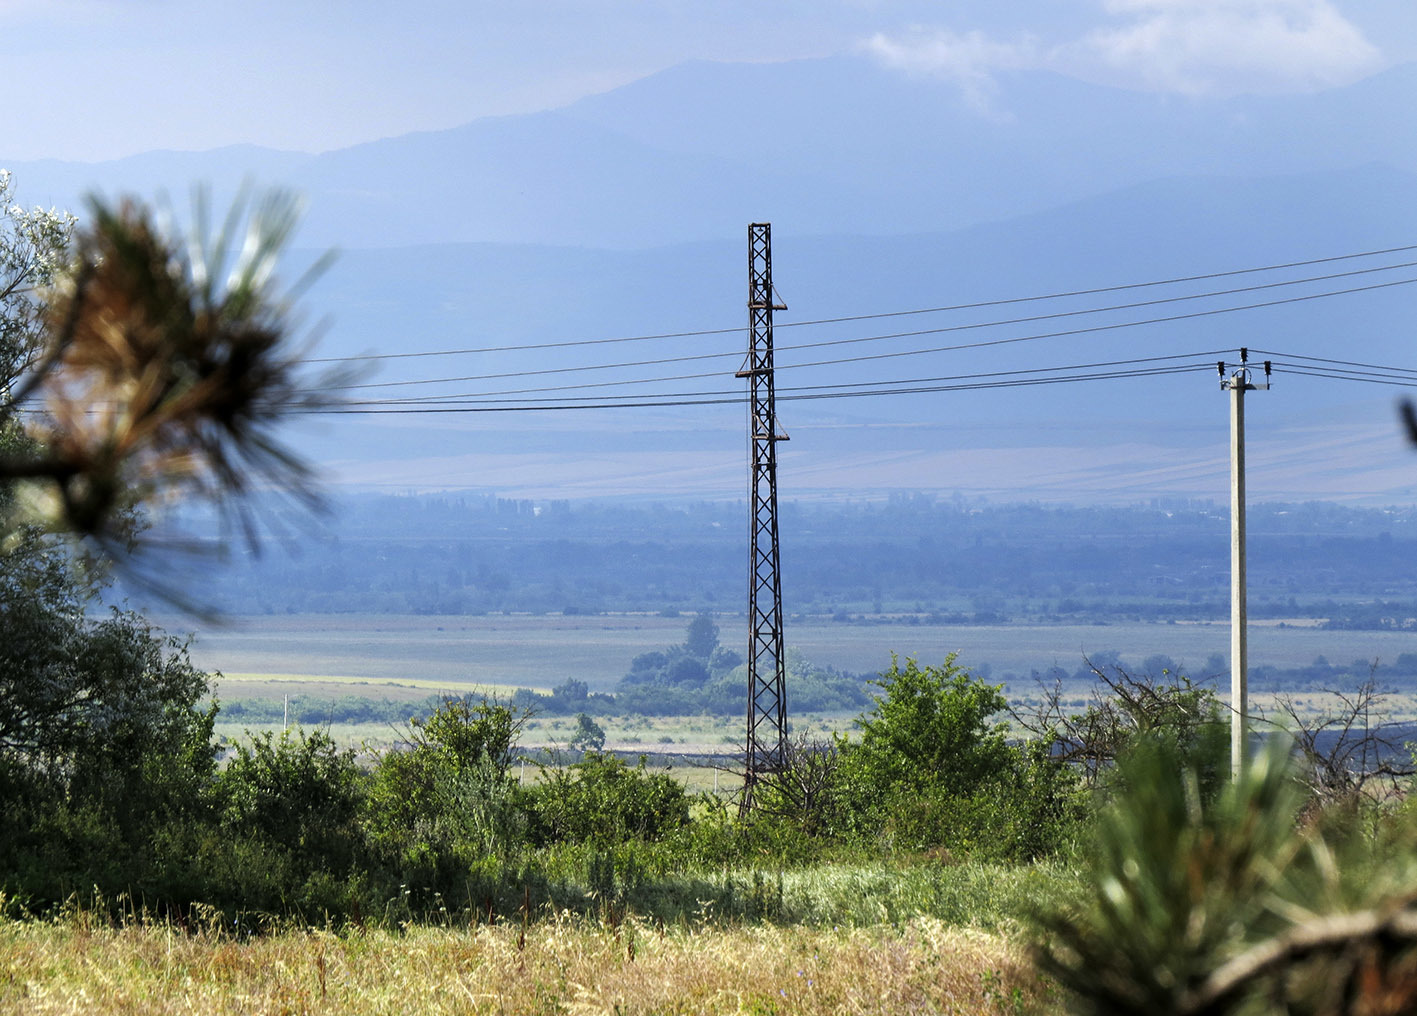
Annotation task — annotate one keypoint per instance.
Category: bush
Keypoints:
(931, 727)
(602, 799)
(101, 740)
(1124, 709)
(300, 793)
(926, 744)
(444, 801)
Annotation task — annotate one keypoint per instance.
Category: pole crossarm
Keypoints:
(767, 698)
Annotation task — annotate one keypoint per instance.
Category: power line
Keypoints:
(1344, 363)
(1189, 316)
(1208, 365)
(494, 397)
(1009, 301)
(810, 394)
(364, 357)
(661, 361)
(980, 381)
(1122, 288)
(1395, 382)
(1345, 372)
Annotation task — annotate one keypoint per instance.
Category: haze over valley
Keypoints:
(622, 214)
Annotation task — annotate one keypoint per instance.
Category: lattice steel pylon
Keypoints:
(767, 698)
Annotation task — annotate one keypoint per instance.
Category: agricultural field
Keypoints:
(406, 659)
(540, 651)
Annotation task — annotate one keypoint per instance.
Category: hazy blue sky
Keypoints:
(95, 79)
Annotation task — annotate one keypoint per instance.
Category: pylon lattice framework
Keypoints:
(767, 700)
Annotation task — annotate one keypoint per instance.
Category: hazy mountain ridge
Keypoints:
(820, 146)
(868, 177)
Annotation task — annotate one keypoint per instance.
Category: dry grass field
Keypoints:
(555, 965)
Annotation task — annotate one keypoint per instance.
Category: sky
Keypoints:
(102, 79)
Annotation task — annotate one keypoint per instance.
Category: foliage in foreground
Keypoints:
(149, 366)
(1226, 903)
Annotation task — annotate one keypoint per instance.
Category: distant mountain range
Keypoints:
(624, 214)
(836, 145)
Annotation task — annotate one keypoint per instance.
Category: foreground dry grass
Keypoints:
(563, 966)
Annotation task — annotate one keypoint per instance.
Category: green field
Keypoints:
(540, 651)
(234, 685)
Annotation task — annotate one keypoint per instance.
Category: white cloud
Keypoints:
(1208, 46)
(1185, 46)
(969, 59)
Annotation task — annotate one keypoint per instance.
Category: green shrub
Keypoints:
(600, 798)
(718, 838)
(931, 728)
(298, 791)
(445, 801)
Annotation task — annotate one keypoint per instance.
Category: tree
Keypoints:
(686, 672)
(445, 797)
(571, 690)
(702, 637)
(1354, 755)
(104, 740)
(33, 246)
(135, 368)
(806, 789)
(602, 799)
(933, 769)
(92, 704)
(588, 735)
(300, 792)
(1125, 708)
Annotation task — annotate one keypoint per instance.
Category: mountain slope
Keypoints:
(821, 146)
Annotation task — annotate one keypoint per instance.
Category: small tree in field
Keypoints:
(588, 735)
(926, 744)
(702, 637)
(933, 768)
(1125, 708)
(447, 797)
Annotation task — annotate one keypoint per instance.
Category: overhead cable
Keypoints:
(739, 398)
(493, 397)
(661, 361)
(1008, 301)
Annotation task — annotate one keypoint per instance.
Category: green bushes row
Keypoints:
(291, 823)
(116, 789)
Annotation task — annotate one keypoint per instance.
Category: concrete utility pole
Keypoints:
(767, 696)
(1238, 383)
